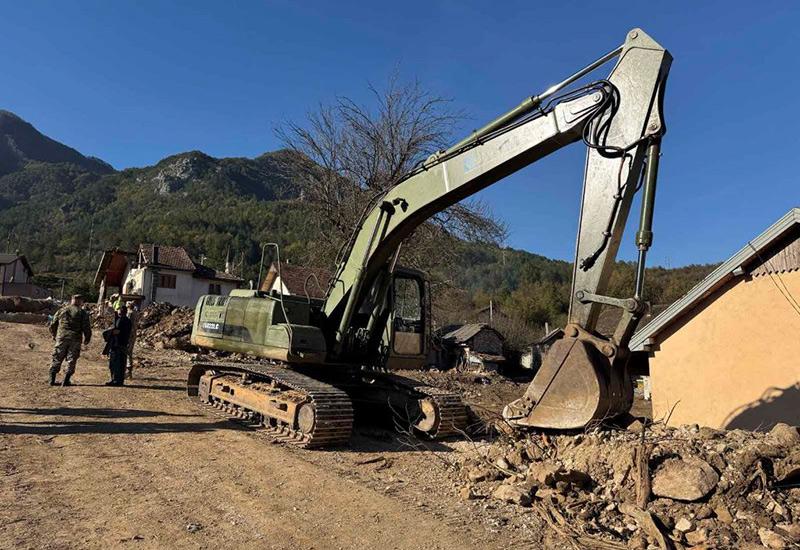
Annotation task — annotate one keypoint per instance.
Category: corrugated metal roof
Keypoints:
(461, 334)
(718, 277)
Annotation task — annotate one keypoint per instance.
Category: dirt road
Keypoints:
(141, 467)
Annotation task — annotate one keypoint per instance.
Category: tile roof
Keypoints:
(174, 257)
(299, 279)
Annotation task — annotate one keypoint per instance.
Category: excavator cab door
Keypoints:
(408, 327)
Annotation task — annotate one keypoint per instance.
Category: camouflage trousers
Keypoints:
(66, 349)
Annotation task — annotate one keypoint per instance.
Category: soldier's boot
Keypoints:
(53, 378)
(67, 379)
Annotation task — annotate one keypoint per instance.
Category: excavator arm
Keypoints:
(620, 120)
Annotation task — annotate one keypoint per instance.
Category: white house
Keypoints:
(157, 273)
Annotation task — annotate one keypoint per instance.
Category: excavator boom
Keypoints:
(620, 120)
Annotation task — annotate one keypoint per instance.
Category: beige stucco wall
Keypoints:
(735, 362)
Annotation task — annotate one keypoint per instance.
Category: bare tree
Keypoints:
(363, 150)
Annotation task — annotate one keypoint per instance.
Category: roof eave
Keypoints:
(721, 275)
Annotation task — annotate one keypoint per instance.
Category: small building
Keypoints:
(157, 273)
(532, 356)
(15, 277)
(726, 355)
(296, 280)
(472, 347)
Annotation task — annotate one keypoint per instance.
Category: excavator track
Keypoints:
(451, 413)
(442, 413)
(325, 413)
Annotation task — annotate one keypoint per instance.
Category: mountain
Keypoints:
(21, 143)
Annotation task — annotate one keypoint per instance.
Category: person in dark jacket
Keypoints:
(117, 338)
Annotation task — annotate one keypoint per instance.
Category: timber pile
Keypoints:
(653, 487)
(164, 326)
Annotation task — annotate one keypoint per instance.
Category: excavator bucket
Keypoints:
(578, 383)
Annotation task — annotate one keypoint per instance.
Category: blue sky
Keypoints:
(132, 82)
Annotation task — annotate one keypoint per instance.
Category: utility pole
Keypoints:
(91, 239)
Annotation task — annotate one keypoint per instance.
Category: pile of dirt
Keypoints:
(658, 487)
(21, 304)
(164, 326)
(19, 309)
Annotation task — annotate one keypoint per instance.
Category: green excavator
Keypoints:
(321, 360)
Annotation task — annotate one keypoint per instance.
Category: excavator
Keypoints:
(319, 363)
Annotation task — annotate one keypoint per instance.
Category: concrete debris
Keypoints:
(19, 309)
(683, 525)
(687, 480)
(771, 539)
(710, 488)
(785, 435)
(514, 494)
(21, 304)
(163, 326)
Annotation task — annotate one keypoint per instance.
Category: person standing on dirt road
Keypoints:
(70, 325)
(133, 315)
(117, 338)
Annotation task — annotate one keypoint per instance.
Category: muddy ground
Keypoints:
(141, 467)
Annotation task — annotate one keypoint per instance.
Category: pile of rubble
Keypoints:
(653, 487)
(19, 309)
(164, 326)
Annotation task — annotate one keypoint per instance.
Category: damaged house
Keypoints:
(471, 347)
(157, 273)
(727, 354)
(15, 277)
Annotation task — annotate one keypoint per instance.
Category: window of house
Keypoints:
(166, 281)
(214, 288)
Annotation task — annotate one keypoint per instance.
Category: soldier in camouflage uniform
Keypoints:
(70, 325)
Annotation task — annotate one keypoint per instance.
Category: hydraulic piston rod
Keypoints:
(644, 237)
(531, 103)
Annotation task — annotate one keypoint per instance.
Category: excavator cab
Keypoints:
(408, 331)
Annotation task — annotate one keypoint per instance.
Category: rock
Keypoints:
(684, 525)
(636, 426)
(703, 512)
(468, 493)
(684, 479)
(543, 473)
(771, 539)
(482, 473)
(637, 542)
(790, 531)
(697, 537)
(533, 452)
(785, 435)
(513, 494)
(193, 527)
(516, 458)
(722, 513)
